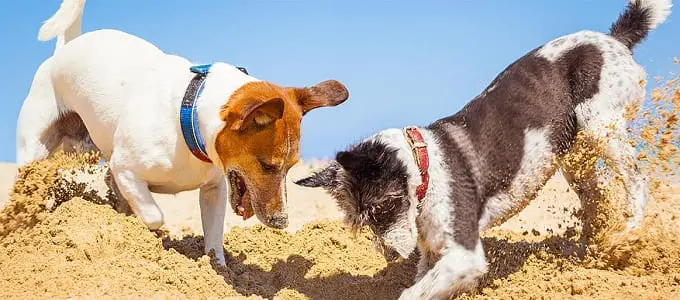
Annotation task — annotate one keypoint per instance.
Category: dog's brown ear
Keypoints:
(256, 113)
(327, 93)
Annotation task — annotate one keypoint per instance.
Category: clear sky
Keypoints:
(404, 62)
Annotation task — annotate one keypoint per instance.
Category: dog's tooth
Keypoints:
(241, 209)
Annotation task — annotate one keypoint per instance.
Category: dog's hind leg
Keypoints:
(611, 196)
(38, 133)
(586, 184)
(623, 157)
(213, 202)
(604, 120)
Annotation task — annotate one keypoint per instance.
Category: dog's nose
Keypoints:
(279, 220)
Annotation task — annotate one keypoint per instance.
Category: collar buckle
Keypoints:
(417, 144)
(414, 144)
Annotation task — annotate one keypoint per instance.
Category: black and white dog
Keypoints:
(438, 187)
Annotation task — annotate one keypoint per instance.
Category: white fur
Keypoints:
(660, 9)
(403, 234)
(436, 212)
(65, 23)
(128, 93)
(213, 203)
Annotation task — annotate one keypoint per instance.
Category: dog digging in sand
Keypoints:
(438, 187)
(166, 126)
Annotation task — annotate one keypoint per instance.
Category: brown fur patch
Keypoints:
(262, 135)
(246, 142)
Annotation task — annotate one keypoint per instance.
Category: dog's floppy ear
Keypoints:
(327, 93)
(350, 160)
(257, 112)
(327, 178)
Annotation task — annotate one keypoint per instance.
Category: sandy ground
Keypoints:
(83, 249)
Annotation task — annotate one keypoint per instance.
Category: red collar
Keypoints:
(419, 149)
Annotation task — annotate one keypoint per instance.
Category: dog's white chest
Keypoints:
(174, 182)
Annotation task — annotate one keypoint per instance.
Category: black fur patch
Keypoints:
(530, 93)
(633, 25)
(376, 182)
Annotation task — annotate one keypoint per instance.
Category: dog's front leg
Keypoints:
(213, 202)
(138, 196)
(425, 263)
(456, 271)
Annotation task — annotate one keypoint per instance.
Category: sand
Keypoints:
(60, 238)
(85, 249)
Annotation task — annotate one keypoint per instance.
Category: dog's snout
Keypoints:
(279, 220)
(386, 249)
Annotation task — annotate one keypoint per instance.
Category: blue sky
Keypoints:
(403, 62)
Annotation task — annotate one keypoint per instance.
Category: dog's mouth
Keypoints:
(240, 198)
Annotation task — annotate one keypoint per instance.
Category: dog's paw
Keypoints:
(219, 260)
(408, 294)
(152, 218)
(216, 257)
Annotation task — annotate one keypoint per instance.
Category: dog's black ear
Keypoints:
(350, 160)
(326, 178)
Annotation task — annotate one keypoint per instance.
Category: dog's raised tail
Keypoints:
(65, 23)
(639, 18)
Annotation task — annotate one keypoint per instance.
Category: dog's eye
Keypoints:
(269, 168)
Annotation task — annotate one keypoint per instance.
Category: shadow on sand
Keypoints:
(504, 257)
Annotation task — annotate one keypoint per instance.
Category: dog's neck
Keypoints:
(438, 188)
(221, 82)
(395, 138)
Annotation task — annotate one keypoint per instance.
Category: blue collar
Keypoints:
(188, 119)
(187, 113)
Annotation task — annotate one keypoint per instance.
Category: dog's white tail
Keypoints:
(659, 10)
(65, 23)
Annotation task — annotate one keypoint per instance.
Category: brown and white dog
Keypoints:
(127, 95)
(438, 187)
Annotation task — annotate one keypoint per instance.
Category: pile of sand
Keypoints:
(86, 248)
(642, 265)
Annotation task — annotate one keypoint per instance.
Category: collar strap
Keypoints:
(419, 150)
(187, 114)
